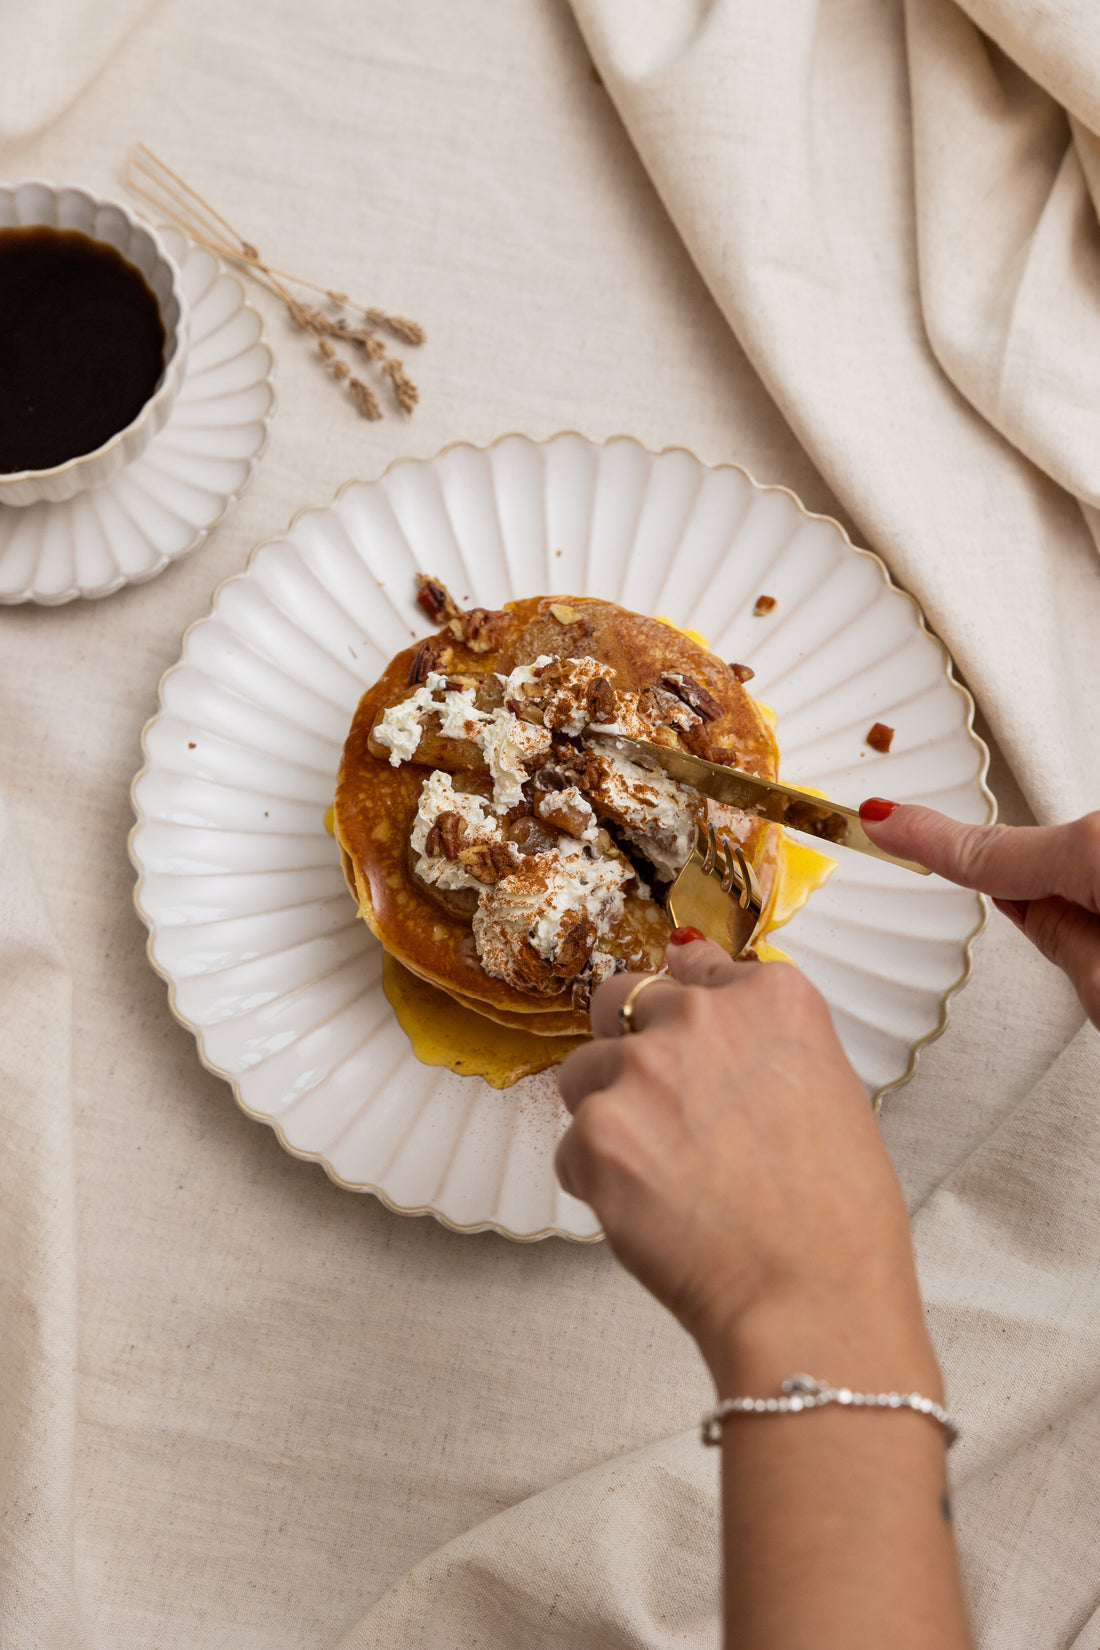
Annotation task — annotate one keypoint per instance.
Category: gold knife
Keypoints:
(781, 804)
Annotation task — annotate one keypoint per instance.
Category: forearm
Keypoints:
(836, 1525)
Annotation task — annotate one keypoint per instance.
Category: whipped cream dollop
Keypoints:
(652, 810)
(478, 824)
(552, 909)
(508, 744)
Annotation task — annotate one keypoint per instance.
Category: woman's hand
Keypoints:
(731, 1153)
(1044, 878)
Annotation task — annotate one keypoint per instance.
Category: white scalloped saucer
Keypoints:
(249, 918)
(166, 501)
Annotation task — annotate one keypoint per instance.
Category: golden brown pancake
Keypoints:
(591, 663)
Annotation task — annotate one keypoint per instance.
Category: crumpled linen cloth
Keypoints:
(237, 1405)
(51, 49)
(625, 1557)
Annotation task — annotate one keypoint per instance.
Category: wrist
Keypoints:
(864, 1345)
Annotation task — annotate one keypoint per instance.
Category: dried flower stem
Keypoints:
(156, 184)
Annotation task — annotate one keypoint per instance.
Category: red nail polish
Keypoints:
(876, 808)
(684, 936)
(1014, 909)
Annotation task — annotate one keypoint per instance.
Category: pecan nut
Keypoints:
(599, 700)
(482, 628)
(576, 942)
(434, 599)
(432, 654)
(820, 822)
(693, 694)
(445, 836)
(700, 743)
(488, 861)
(656, 704)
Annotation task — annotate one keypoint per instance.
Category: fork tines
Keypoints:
(729, 865)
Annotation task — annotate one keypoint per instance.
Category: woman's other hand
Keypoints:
(1044, 878)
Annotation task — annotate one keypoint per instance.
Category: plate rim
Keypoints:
(140, 818)
(75, 592)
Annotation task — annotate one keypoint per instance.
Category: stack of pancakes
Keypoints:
(552, 808)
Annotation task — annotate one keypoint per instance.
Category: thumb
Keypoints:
(701, 962)
(1013, 862)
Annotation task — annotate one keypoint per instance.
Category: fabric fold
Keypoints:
(625, 1556)
(52, 49)
(784, 152)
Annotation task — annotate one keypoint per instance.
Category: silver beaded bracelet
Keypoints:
(803, 1392)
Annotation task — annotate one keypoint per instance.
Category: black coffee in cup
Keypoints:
(81, 346)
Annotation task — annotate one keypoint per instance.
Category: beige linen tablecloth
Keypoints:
(239, 1404)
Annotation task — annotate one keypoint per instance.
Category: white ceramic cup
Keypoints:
(34, 203)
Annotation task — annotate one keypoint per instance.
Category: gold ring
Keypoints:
(626, 1007)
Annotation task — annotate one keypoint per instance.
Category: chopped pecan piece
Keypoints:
(764, 604)
(445, 836)
(700, 743)
(576, 941)
(693, 693)
(820, 822)
(564, 613)
(483, 629)
(880, 737)
(432, 654)
(488, 861)
(744, 673)
(434, 599)
(587, 767)
(524, 712)
(658, 705)
(599, 700)
(451, 832)
(594, 772)
(550, 672)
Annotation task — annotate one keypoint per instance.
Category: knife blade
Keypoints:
(765, 798)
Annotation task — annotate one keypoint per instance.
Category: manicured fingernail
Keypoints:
(1014, 909)
(684, 936)
(876, 808)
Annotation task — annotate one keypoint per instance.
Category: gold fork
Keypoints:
(717, 892)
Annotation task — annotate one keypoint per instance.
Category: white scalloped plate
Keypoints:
(168, 500)
(249, 918)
